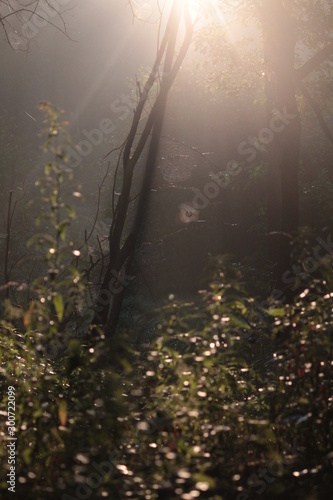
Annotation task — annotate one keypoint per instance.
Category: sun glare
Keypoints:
(209, 7)
(201, 11)
(196, 6)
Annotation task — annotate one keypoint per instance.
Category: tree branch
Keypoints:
(314, 62)
(25, 13)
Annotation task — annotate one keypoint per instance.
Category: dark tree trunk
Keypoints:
(143, 202)
(284, 122)
(109, 301)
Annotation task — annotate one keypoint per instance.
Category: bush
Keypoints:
(237, 400)
(227, 400)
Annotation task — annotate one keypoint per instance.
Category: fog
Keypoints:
(90, 74)
(166, 251)
(90, 63)
(82, 74)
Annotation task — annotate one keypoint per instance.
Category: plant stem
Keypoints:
(8, 235)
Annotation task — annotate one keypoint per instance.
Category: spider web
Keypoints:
(177, 160)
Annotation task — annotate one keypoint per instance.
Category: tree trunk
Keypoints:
(284, 123)
(109, 301)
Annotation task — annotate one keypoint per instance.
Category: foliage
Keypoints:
(230, 400)
(48, 301)
(316, 199)
(231, 390)
(49, 355)
(232, 69)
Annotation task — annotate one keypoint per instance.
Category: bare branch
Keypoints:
(25, 14)
(315, 61)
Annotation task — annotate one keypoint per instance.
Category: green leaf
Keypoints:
(280, 313)
(48, 169)
(27, 456)
(41, 238)
(37, 413)
(42, 217)
(62, 412)
(61, 228)
(204, 479)
(71, 211)
(59, 305)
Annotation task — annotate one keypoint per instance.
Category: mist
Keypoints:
(166, 249)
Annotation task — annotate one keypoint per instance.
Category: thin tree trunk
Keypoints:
(283, 150)
(146, 184)
(109, 302)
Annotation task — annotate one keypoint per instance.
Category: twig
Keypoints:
(8, 236)
(87, 238)
(31, 11)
